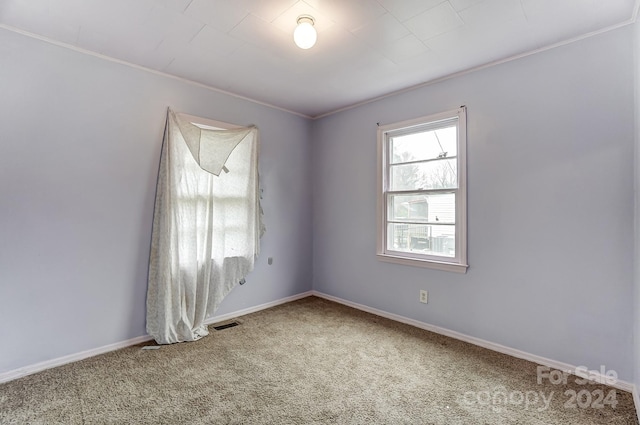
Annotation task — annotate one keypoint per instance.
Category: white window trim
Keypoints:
(208, 123)
(458, 265)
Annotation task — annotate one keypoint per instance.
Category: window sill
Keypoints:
(430, 264)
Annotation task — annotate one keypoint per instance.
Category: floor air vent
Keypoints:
(226, 326)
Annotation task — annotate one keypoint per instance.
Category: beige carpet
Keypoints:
(310, 361)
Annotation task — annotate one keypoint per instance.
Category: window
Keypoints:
(206, 224)
(228, 192)
(422, 192)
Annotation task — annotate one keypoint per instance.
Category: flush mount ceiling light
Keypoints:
(305, 35)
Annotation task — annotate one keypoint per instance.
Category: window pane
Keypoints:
(408, 207)
(439, 174)
(431, 144)
(422, 239)
(435, 208)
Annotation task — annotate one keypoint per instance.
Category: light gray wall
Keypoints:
(79, 151)
(550, 205)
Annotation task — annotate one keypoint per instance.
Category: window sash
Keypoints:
(387, 221)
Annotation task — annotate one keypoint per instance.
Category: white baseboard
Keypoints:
(48, 364)
(619, 384)
(223, 317)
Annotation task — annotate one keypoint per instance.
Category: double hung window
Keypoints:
(422, 192)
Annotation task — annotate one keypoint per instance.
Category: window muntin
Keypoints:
(422, 191)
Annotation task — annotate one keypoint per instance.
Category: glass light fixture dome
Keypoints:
(305, 34)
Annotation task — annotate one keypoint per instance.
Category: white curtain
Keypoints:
(207, 225)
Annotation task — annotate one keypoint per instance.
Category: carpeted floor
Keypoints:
(309, 362)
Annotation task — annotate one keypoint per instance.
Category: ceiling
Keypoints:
(365, 48)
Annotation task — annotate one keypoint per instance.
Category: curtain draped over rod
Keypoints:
(207, 225)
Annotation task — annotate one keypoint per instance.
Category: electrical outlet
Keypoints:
(424, 296)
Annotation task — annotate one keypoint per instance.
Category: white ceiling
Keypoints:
(365, 48)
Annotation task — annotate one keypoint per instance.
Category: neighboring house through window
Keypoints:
(422, 192)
